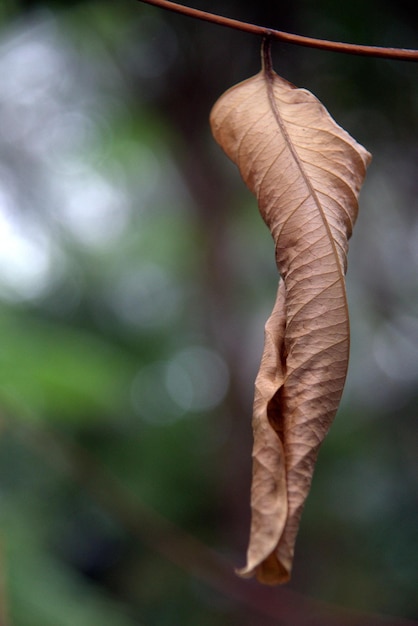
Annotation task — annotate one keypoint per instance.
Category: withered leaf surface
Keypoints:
(306, 173)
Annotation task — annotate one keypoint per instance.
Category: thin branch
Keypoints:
(334, 46)
(180, 547)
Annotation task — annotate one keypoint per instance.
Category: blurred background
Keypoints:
(135, 280)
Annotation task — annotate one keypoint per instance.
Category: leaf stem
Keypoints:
(266, 61)
(323, 44)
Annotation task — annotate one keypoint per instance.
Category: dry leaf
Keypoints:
(306, 172)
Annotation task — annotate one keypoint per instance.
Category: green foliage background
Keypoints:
(135, 279)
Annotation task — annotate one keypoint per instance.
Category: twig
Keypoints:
(300, 40)
(183, 549)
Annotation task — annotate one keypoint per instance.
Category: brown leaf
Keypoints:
(306, 172)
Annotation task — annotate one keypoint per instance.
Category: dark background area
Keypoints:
(135, 280)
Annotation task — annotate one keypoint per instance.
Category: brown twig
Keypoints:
(300, 40)
(184, 550)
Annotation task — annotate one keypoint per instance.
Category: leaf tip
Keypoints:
(270, 571)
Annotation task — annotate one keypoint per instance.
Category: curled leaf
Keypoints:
(306, 173)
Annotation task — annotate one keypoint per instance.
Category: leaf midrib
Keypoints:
(269, 80)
